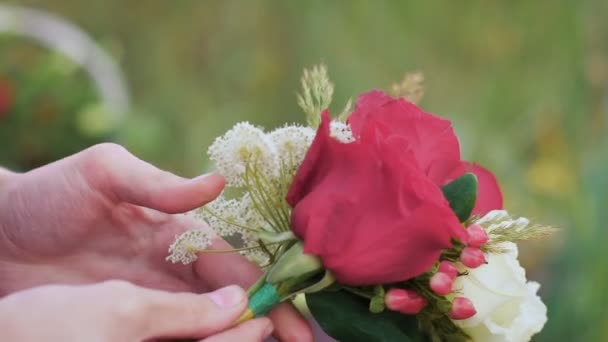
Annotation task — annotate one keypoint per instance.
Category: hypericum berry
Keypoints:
(462, 308)
(477, 236)
(472, 257)
(448, 268)
(408, 302)
(441, 283)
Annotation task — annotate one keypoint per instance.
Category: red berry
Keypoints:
(441, 283)
(472, 257)
(477, 236)
(448, 268)
(405, 301)
(462, 308)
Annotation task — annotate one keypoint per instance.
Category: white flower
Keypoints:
(292, 143)
(243, 145)
(186, 246)
(220, 214)
(341, 132)
(250, 216)
(234, 219)
(508, 308)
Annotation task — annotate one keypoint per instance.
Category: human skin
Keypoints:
(119, 311)
(103, 214)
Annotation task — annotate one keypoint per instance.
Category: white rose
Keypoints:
(508, 308)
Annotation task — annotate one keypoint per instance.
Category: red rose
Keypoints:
(430, 138)
(368, 209)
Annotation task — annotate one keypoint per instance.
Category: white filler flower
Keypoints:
(292, 143)
(341, 132)
(241, 147)
(508, 308)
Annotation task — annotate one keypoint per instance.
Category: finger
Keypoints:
(217, 270)
(5, 176)
(164, 314)
(252, 331)
(113, 171)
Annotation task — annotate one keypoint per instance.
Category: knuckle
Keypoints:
(97, 163)
(104, 152)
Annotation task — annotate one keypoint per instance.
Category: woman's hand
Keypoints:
(104, 214)
(119, 311)
(5, 176)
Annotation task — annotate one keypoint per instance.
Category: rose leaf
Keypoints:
(347, 318)
(461, 193)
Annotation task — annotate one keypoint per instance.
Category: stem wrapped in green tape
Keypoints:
(264, 300)
(293, 273)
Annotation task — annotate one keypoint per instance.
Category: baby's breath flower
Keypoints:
(292, 143)
(241, 146)
(250, 215)
(222, 215)
(186, 246)
(341, 132)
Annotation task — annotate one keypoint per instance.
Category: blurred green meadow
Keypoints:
(525, 83)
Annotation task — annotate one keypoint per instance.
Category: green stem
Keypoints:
(283, 216)
(271, 256)
(220, 251)
(277, 207)
(267, 202)
(256, 286)
(264, 299)
(229, 222)
(258, 200)
(327, 280)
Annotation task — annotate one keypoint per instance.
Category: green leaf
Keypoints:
(461, 193)
(346, 317)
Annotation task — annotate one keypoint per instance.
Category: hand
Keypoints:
(5, 176)
(104, 214)
(119, 311)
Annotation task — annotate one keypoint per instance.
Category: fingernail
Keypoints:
(206, 176)
(227, 297)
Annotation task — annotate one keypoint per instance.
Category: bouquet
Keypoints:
(376, 219)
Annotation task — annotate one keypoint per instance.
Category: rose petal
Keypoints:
(431, 138)
(367, 210)
(489, 196)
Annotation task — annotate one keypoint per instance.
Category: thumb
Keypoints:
(180, 315)
(113, 171)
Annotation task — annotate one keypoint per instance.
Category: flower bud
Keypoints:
(462, 308)
(441, 283)
(472, 257)
(294, 264)
(407, 302)
(477, 236)
(448, 268)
